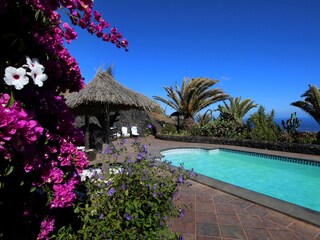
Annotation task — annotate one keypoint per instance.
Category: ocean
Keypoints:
(308, 124)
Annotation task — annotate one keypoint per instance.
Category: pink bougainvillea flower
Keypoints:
(36, 71)
(114, 30)
(47, 226)
(124, 43)
(54, 175)
(69, 34)
(64, 194)
(16, 77)
(97, 16)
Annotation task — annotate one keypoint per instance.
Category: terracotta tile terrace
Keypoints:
(217, 215)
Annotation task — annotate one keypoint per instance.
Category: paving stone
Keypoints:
(225, 208)
(231, 231)
(189, 237)
(280, 218)
(205, 198)
(184, 227)
(304, 230)
(258, 210)
(257, 234)
(208, 238)
(208, 229)
(205, 207)
(228, 219)
(251, 221)
(206, 217)
(283, 234)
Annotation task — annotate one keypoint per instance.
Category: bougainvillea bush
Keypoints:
(41, 192)
(136, 202)
(39, 160)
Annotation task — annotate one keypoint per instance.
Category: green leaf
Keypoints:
(11, 100)
(37, 15)
(8, 170)
(32, 189)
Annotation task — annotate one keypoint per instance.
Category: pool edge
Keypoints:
(290, 209)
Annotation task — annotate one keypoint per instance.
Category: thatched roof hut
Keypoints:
(103, 95)
(104, 91)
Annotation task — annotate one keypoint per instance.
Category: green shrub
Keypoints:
(305, 137)
(286, 137)
(136, 203)
(228, 128)
(262, 126)
(318, 137)
(299, 137)
(169, 129)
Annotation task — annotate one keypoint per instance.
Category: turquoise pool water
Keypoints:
(291, 180)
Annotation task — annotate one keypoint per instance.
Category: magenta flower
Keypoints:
(67, 147)
(97, 16)
(69, 34)
(47, 226)
(81, 161)
(55, 176)
(64, 195)
(114, 30)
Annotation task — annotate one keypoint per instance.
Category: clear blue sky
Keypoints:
(266, 50)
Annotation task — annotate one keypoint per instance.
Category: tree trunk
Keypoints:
(188, 123)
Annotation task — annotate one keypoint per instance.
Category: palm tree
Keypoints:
(194, 95)
(237, 108)
(203, 119)
(311, 103)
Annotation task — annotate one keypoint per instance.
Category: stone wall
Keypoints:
(277, 146)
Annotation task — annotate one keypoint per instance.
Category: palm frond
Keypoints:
(311, 103)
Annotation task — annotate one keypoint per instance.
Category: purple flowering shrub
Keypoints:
(39, 160)
(137, 202)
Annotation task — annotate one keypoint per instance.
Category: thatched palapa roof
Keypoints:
(105, 92)
(103, 95)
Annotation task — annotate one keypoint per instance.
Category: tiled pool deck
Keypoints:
(217, 215)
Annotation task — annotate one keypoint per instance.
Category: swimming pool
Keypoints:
(292, 180)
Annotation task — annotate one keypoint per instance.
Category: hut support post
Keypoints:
(87, 132)
(105, 126)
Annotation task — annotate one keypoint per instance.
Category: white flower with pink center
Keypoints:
(36, 71)
(16, 77)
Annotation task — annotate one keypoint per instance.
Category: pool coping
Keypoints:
(290, 209)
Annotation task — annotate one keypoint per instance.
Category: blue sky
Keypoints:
(265, 50)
